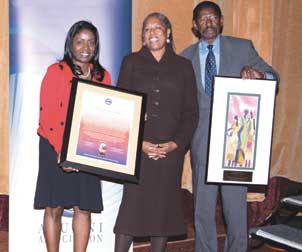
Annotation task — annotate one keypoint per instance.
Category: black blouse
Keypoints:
(172, 110)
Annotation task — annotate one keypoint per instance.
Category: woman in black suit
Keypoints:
(154, 206)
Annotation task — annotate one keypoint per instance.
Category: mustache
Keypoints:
(211, 28)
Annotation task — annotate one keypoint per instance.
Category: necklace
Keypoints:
(86, 75)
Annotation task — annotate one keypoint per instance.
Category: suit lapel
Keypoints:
(225, 56)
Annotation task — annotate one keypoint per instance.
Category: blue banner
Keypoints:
(37, 35)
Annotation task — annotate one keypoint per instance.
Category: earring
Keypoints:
(168, 41)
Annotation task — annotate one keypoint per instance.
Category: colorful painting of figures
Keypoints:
(241, 131)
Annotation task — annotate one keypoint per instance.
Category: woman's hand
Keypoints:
(66, 169)
(157, 151)
(59, 158)
(152, 150)
(69, 169)
(168, 147)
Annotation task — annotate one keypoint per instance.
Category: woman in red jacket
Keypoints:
(59, 188)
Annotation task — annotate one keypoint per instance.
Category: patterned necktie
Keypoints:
(210, 71)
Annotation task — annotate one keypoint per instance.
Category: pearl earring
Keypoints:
(168, 40)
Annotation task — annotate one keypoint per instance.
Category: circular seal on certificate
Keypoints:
(102, 149)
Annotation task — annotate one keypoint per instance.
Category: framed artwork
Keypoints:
(241, 131)
(103, 133)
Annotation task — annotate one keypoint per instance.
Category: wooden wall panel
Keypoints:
(287, 57)
(254, 20)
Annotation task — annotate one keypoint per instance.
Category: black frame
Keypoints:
(107, 174)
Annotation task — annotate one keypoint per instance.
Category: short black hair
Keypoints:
(206, 5)
(98, 70)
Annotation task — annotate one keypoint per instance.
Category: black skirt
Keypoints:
(58, 188)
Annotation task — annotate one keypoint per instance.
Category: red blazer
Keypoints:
(54, 99)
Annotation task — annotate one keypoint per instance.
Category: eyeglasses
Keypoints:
(205, 18)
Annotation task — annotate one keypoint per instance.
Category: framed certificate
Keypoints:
(241, 131)
(103, 133)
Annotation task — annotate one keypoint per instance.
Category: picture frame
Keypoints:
(241, 131)
(104, 130)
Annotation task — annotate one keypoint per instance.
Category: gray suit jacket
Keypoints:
(235, 53)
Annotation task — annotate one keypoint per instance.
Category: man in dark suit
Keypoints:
(215, 54)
